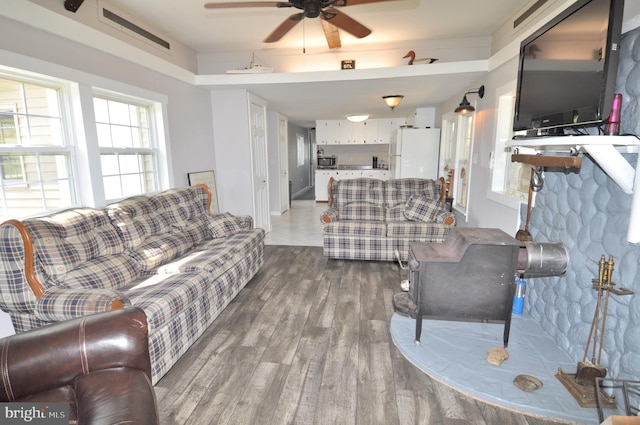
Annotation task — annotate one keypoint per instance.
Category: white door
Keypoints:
(259, 164)
(283, 154)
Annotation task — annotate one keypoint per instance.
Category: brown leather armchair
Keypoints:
(99, 364)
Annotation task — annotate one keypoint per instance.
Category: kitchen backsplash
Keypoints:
(357, 154)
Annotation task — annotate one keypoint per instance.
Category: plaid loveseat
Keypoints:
(163, 253)
(369, 219)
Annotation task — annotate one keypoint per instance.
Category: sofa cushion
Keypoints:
(195, 229)
(399, 191)
(65, 240)
(111, 272)
(362, 211)
(178, 211)
(216, 256)
(420, 208)
(373, 229)
(160, 249)
(224, 224)
(367, 190)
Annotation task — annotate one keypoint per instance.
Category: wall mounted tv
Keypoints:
(567, 72)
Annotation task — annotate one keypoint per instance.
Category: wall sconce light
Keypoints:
(358, 117)
(392, 100)
(465, 107)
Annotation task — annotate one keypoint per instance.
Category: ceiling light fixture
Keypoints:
(358, 117)
(392, 100)
(465, 107)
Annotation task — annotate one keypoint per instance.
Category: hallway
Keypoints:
(299, 226)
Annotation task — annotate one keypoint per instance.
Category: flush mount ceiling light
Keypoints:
(392, 100)
(358, 117)
(465, 107)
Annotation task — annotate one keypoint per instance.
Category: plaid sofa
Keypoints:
(369, 219)
(163, 253)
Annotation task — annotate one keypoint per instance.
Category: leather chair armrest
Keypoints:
(54, 355)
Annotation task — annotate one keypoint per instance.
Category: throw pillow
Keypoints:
(420, 208)
(224, 224)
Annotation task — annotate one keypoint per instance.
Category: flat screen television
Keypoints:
(567, 71)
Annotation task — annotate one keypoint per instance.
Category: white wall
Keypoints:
(230, 114)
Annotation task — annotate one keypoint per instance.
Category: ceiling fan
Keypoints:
(331, 18)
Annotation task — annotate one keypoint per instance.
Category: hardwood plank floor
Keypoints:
(307, 342)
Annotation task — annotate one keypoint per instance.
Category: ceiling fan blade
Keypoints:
(344, 22)
(284, 28)
(245, 4)
(331, 34)
(357, 2)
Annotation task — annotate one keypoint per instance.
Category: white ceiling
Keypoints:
(223, 30)
(453, 31)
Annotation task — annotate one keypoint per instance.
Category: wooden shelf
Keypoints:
(548, 160)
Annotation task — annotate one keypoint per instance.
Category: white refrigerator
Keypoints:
(415, 153)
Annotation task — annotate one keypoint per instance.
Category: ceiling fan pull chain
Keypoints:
(304, 38)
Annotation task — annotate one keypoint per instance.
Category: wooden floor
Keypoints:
(307, 342)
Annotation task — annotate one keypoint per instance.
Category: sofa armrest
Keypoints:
(329, 216)
(53, 356)
(58, 304)
(246, 222)
(446, 217)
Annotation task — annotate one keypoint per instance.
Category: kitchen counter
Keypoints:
(353, 167)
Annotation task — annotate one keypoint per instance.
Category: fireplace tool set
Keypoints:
(582, 384)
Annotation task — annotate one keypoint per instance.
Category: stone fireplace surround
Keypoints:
(589, 213)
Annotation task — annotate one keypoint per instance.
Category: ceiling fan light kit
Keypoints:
(465, 107)
(392, 100)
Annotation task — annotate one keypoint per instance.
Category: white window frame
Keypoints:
(454, 140)
(66, 149)
(13, 109)
(500, 161)
(152, 150)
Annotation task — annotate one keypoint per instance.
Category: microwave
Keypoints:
(327, 161)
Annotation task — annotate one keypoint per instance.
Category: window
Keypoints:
(128, 153)
(36, 172)
(301, 150)
(49, 162)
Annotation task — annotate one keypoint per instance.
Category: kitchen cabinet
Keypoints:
(387, 128)
(376, 174)
(365, 132)
(372, 131)
(330, 132)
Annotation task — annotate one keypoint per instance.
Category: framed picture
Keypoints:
(207, 178)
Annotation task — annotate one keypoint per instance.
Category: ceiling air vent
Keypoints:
(135, 28)
(520, 19)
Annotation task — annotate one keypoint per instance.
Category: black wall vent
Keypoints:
(520, 19)
(135, 28)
